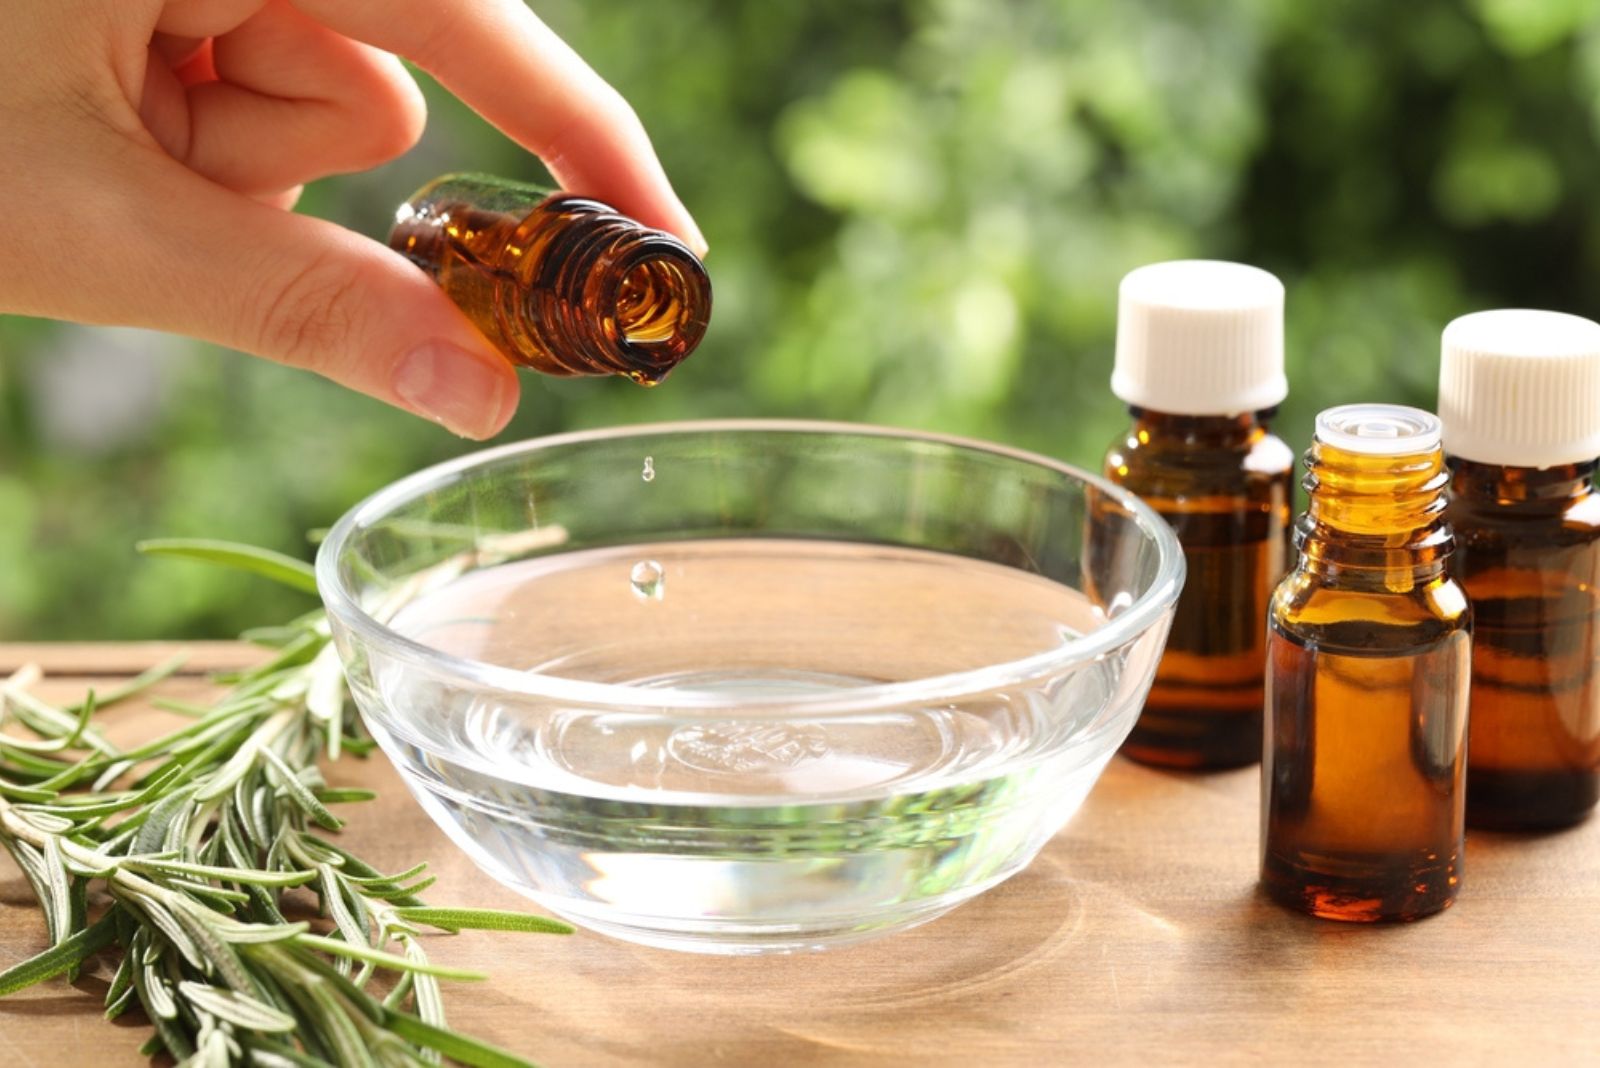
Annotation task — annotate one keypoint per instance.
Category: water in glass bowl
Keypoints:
(747, 828)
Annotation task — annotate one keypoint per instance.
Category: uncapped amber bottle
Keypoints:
(1200, 363)
(1519, 395)
(1363, 783)
(559, 283)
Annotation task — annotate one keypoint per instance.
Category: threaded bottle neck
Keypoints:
(1376, 508)
(611, 296)
(559, 283)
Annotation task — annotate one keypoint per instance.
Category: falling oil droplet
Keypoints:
(649, 469)
(649, 581)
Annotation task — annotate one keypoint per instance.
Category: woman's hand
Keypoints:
(152, 147)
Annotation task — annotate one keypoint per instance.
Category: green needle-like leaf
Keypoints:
(232, 875)
(134, 686)
(273, 565)
(59, 957)
(301, 793)
(387, 960)
(200, 837)
(336, 797)
(18, 792)
(481, 919)
(457, 1047)
(236, 1008)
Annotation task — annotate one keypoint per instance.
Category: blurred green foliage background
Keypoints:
(919, 211)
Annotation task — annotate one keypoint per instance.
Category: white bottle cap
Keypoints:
(1378, 429)
(1200, 337)
(1521, 388)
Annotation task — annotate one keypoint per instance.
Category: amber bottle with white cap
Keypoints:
(1519, 394)
(1369, 652)
(1199, 361)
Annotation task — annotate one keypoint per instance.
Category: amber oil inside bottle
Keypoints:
(559, 283)
(1528, 553)
(1369, 653)
(1224, 483)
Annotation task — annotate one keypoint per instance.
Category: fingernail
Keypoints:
(456, 388)
(697, 240)
(689, 231)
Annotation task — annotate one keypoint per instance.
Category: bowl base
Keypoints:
(746, 939)
(746, 943)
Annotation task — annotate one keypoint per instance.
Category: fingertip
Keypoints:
(670, 215)
(473, 394)
(696, 240)
(673, 216)
(510, 400)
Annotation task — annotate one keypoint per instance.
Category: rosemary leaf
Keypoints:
(197, 835)
(120, 993)
(116, 1006)
(58, 903)
(388, 960)
(375, 879)
(481, 919)
(273, 565)
(161, 816)
(262, 933)
(59, 957)
(429, 998)
(236, 1008)
(401, 894)
(57, 742)
(232, 875)
(301, 793)
(333, 903)
(18, 792)
(329, 796)
(457, 1047)
(136, 685)
(48, 721)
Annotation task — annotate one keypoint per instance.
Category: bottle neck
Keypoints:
(560, 283)
(1525, 490)
(610, 294)
(1201, 431)
(1374, 522)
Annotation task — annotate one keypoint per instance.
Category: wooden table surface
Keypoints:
(1136, 936)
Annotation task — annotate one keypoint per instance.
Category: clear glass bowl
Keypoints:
(750, 686)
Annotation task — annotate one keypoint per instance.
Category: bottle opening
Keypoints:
(648, 309)
(660, 309)
(1379, 429)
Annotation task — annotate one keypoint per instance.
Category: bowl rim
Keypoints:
(1132, 621)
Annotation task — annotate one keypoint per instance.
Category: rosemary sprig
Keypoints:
(195, 837)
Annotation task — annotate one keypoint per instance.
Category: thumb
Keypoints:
(198, 259)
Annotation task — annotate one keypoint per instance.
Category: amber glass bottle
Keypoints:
(1369, 649)
(1200, 362)
(1519, 395)
(558, 283)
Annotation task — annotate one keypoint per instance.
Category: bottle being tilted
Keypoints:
(559, 283)
(1519, 396)
(1200, 363)
(1369, 652)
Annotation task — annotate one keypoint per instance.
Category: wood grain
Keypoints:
(1137, 936)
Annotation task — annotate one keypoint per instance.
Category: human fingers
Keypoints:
(167, 249)
(278, 100)
(511, 68)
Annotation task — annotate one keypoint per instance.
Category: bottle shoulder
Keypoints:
(1316, 608)
(1485, 526)
(1149, 464)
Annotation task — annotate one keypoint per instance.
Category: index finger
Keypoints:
(514, 71)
